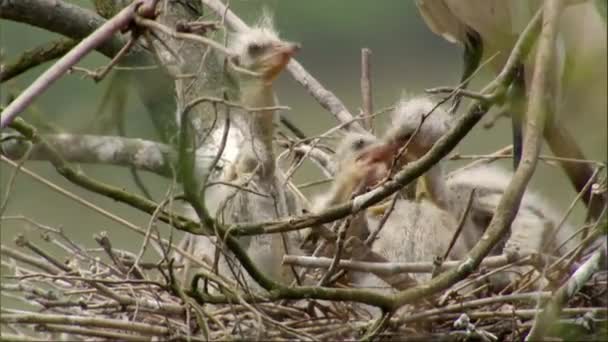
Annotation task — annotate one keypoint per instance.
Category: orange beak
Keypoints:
(278, 58)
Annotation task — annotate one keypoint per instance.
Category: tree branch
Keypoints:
(36, 56)
(91, 149)
(60, 17)
(391, 268)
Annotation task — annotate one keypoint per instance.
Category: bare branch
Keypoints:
(36, 56)
(366, 89)
(91, 149)
(60, 17)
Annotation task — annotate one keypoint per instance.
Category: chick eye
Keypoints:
(255, 49)
(358, 144)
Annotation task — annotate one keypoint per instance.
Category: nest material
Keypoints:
(97, 294)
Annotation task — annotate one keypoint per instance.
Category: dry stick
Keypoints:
(559, 226)
(101, 74)
(110, 335)
(460, 226)
(385, 269)
(505, 151)
(474, 303)
(292, 127)
(22, 241)
(561, 297)
(13, 178)
(99, 210)
(372, 237)
(36, 318)
(366, 89)
(586, 240)
(103, 33)
(325, 98)
(151, 24)
(30, 260)
(339, 246)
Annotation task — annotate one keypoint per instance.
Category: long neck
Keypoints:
(437, 188)
(260, 124)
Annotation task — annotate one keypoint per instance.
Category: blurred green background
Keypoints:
(407, 57)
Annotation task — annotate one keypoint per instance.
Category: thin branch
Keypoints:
(461, 224)
(367, 103)
(383, 269)
(35, 57)
(103, 212)
(36, 318)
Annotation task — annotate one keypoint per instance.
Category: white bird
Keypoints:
(490, 28)
(258, 57)
(536, 219)
(414, 231)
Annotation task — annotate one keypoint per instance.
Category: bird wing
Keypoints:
(440, 19)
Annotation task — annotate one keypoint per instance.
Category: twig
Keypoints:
(99, 210)
(342, 230)
(461, 224)
(292, 127)
(30, 260)
(460, 92)
(13, 178)
(366, 89)
(36, 318)
(151, 24)
(372, 236)
(392, 268)
(116, 336)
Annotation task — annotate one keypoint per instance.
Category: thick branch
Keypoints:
(60, 17)
(109, 150)
(538, 107)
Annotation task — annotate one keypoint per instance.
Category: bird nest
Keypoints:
(111, 294)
